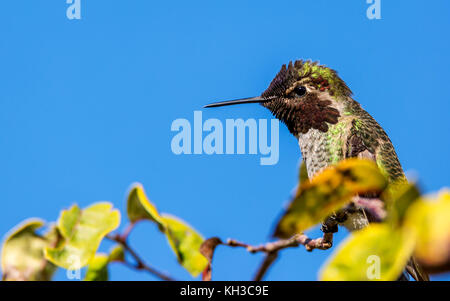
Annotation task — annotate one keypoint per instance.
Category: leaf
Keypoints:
(207, 249)
(98, 268)
(183, 239)
(429, 219)
(303, 175)
(23, 254)
(139, 207)
(117, 253)
(327, 192)
(377, 252)
(185, 242)
(82, 232)
(399, 197)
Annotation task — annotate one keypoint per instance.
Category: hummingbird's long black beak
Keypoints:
(257, 99)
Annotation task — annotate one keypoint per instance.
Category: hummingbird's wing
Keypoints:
(369, 141)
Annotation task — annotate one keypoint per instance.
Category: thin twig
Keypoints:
(264, 267)
(140, 264)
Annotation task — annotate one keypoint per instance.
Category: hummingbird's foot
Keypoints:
(329, 227)
(331, 223)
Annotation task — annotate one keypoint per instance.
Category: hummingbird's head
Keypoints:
(303, 95)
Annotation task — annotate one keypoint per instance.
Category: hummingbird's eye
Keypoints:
(300, 91)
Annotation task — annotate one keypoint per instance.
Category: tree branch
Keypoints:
(265, 265)
(322, 243)
(271, 249)
(140, 264)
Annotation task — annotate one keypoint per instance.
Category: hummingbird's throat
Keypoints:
(311, 112)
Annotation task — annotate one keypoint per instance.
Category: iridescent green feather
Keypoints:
(313, 70)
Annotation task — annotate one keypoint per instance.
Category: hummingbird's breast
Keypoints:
(313, 146)
(321, 149)
(324, 148)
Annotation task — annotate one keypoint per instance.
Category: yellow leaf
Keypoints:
(377, 252)
(183, 239)
(327, 192)
(117, 253)
(23, 254)
(303, 174)
(429, 219)
(98, 268)
(139, 207)
(82, 232)
(399, 197)
(185, 242)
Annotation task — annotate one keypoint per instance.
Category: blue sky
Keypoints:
(86, 108)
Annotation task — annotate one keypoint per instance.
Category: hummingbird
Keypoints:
(317, 107)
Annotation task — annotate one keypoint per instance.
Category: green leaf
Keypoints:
(139, 207)
(82, 232)
(429, 219)
(327, 192)
(377, 252)
(98, 268)
(23, 254)
(185, 242)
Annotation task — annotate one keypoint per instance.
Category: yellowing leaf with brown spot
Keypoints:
(377, 252)
(328, 192)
